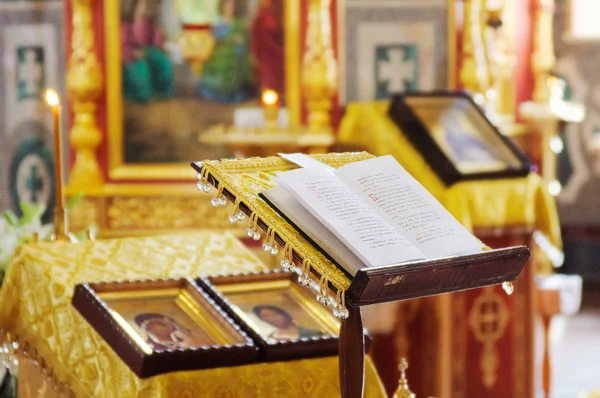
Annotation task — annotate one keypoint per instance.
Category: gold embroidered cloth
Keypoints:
(246, 178)
(35, 304)
(476, 204)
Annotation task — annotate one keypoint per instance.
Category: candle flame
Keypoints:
(269, 97)
(52, 98)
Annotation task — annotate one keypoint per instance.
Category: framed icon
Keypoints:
(456, 138)
(395, 46)
(284, 319)
(161, 326)
(177, 68)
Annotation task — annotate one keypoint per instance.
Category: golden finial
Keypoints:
(403, 391)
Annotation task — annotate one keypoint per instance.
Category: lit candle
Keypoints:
(270, 98)
(54, 102)
(270, 101)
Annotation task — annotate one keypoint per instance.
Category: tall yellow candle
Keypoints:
(54, 103)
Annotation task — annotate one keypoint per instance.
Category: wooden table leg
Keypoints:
(352, 355)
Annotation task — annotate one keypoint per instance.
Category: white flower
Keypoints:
(25, 232)
(8, 243)
(15, 231)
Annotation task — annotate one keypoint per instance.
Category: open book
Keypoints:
(371, 213)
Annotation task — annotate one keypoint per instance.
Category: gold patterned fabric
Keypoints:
(246, 178)
(476, 204)
(35, 304)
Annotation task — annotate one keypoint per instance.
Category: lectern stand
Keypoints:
(415, 280)
(241, 181)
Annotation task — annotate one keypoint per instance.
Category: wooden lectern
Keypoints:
(240, 182)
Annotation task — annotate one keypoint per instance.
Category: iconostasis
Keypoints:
(155, 84)
(150, 80)
(143, 107)
(140, 108)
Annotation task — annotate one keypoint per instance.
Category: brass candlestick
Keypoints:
(61, 229)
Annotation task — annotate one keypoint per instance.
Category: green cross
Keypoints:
(34, 183)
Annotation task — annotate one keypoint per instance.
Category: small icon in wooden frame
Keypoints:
(456, 138)
(284, 319)
(161, 326)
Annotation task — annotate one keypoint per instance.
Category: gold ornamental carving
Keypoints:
(84, 86)
(474, 73)
(164, 213)
(319, 73)
(499, 48)
(85, 215)
(543, 58)
(488, 320)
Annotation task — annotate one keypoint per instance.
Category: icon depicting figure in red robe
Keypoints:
(267, 46)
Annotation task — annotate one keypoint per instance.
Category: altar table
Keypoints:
(35, 305)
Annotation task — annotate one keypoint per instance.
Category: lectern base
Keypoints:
(352, 355)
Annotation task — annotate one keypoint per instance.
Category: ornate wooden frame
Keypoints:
(141, 358)
(281, 350)
(409, 123)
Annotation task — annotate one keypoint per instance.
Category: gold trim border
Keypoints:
(117, 168)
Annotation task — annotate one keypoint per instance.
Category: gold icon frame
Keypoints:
(118, 169)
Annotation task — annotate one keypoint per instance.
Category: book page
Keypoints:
(286, 204)
(408, 206)
(305, 161)
(367, 234)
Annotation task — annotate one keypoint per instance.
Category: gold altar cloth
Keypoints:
(492, 204)
(35, 304)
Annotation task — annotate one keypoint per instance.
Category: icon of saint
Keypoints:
(286, 328)
(458, 138)
(164, 333)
